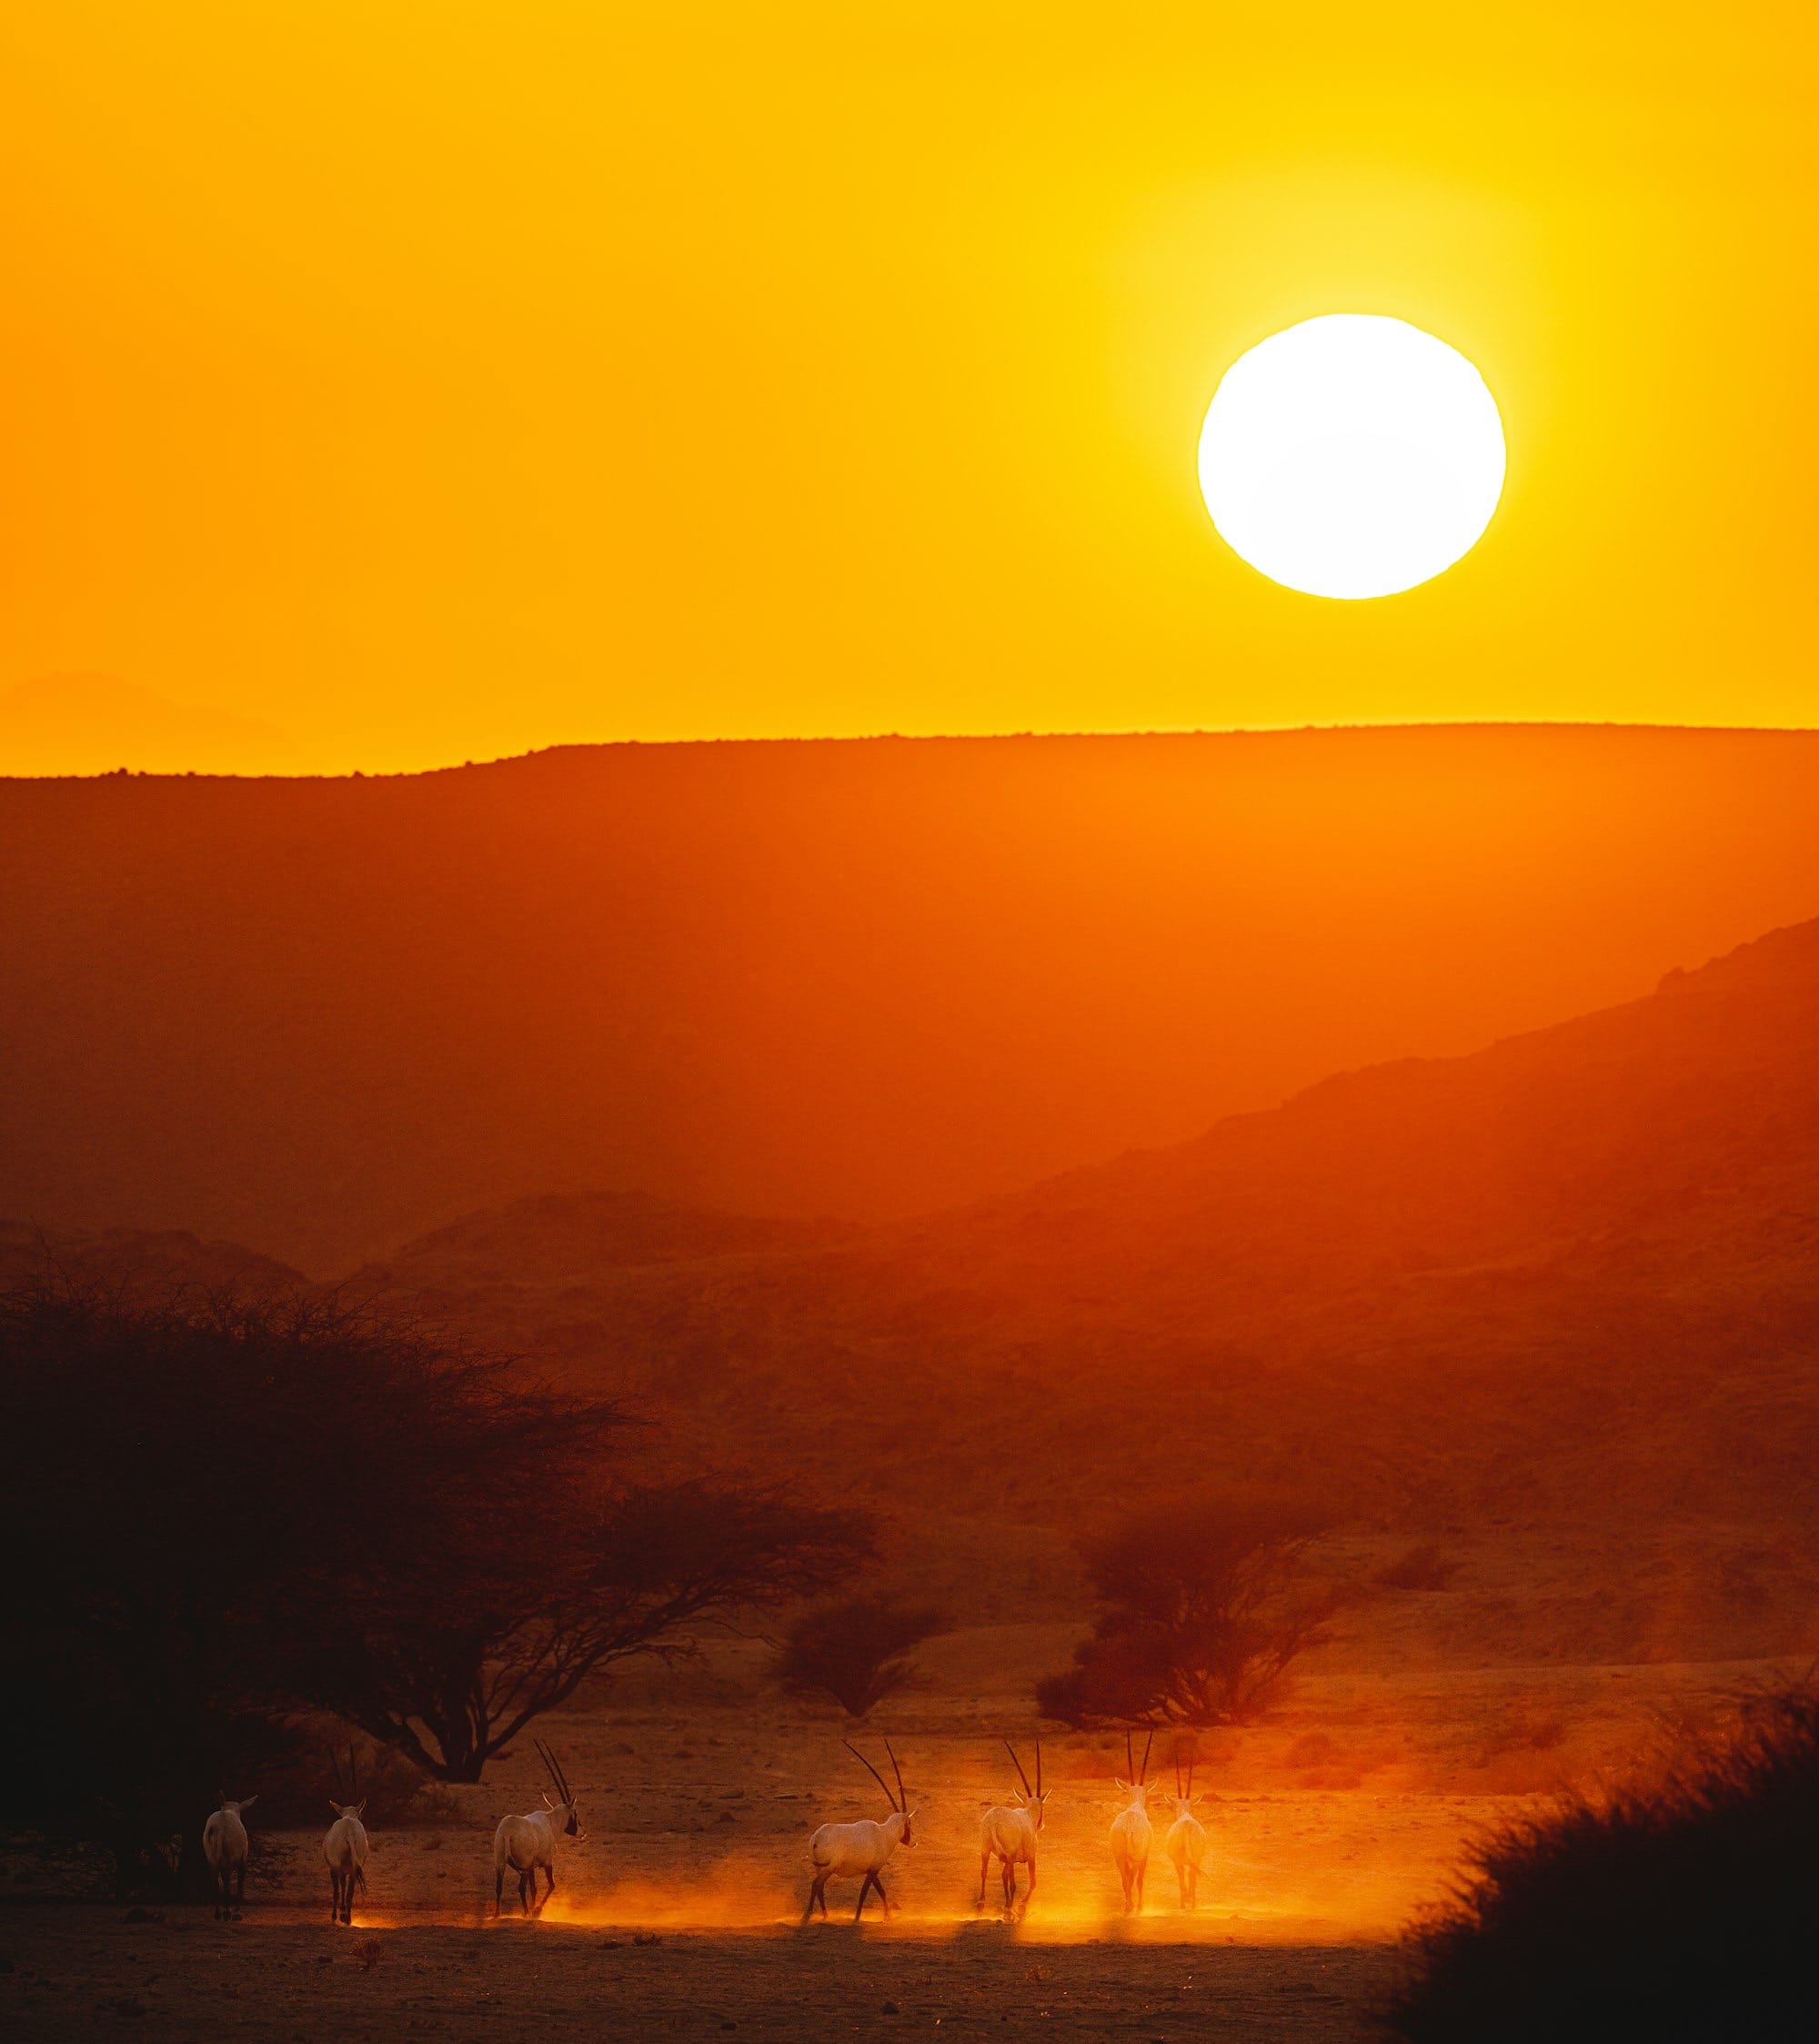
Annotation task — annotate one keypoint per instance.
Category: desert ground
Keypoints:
(677, 1912)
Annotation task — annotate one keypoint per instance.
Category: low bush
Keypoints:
(1684, 1910)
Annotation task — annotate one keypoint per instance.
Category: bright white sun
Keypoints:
(1351, 456)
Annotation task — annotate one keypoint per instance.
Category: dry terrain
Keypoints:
(677, 1913)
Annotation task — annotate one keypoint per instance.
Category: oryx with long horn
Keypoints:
(345, 1847)
(1007, 1833)
(860, 1848)
(526, 1842)
(1186, 1841)
(1131, 1831)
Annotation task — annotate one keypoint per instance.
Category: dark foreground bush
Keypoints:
(1688, 1911)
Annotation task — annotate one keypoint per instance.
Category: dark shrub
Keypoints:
(1203, 1606)
(1426, 1566)
(857, 1653)
(1686, 1911)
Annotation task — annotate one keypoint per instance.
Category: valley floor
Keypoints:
(677, 1914)
(80, 1973)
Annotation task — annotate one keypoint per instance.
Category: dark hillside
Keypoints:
(1559, 1299)
(867, 979)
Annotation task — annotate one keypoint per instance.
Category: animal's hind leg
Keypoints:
(817, 1897)
(500, 1889)
(984, 1869)
(877, 1882)
(865, 1887)
(527, 1882)
(1008, 1870)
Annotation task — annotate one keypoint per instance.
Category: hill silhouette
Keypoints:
(1555, 1304)
(861, 978)
(94, 724)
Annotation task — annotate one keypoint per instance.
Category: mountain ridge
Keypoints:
(1604, 1402)
(861, 978)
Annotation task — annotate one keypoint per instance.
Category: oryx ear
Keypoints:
(335, 1805)
(360, 1807)
(1117, 1781)
(547, 1803)
(249, 1802)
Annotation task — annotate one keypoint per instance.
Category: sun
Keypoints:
(1351, 456)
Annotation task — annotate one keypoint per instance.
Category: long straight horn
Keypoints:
(902, 1802)
(1143, 1773)
(872, 1771)
(1178, 1773)
(334, 1764)
(1190, 1773)
(556, 1774)
(1039, 1770)
(353, 1775)
(1129, 1760)
(1015, 1763)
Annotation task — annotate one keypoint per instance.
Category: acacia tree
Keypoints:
(1203, 1606)
(235, 1505)
(452, 1661)
(856, 1652)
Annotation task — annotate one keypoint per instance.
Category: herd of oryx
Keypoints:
(1009, 1833)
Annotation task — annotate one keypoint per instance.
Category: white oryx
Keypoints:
(224, 1846)
(1007, 1833)
(861, 1849)
(1186, 1841)
(345, 1847)
(1131, 1831)
(526, 1842)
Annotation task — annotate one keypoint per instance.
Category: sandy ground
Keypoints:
(678, 1911)
(78, 1973)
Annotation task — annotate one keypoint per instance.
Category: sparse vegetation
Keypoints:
(858, 1652)
(1204, 1606)
(505, 1617)
(1424, 1567)
(1680, 1911)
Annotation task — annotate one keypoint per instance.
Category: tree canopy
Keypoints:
(1203, 1606)
(226, 1508)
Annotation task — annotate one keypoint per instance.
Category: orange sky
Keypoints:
(389, 386)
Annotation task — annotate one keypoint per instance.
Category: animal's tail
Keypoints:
(360, 1879)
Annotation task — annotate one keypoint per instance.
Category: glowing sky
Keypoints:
(414, 384)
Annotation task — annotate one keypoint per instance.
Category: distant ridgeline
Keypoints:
(864, 978)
